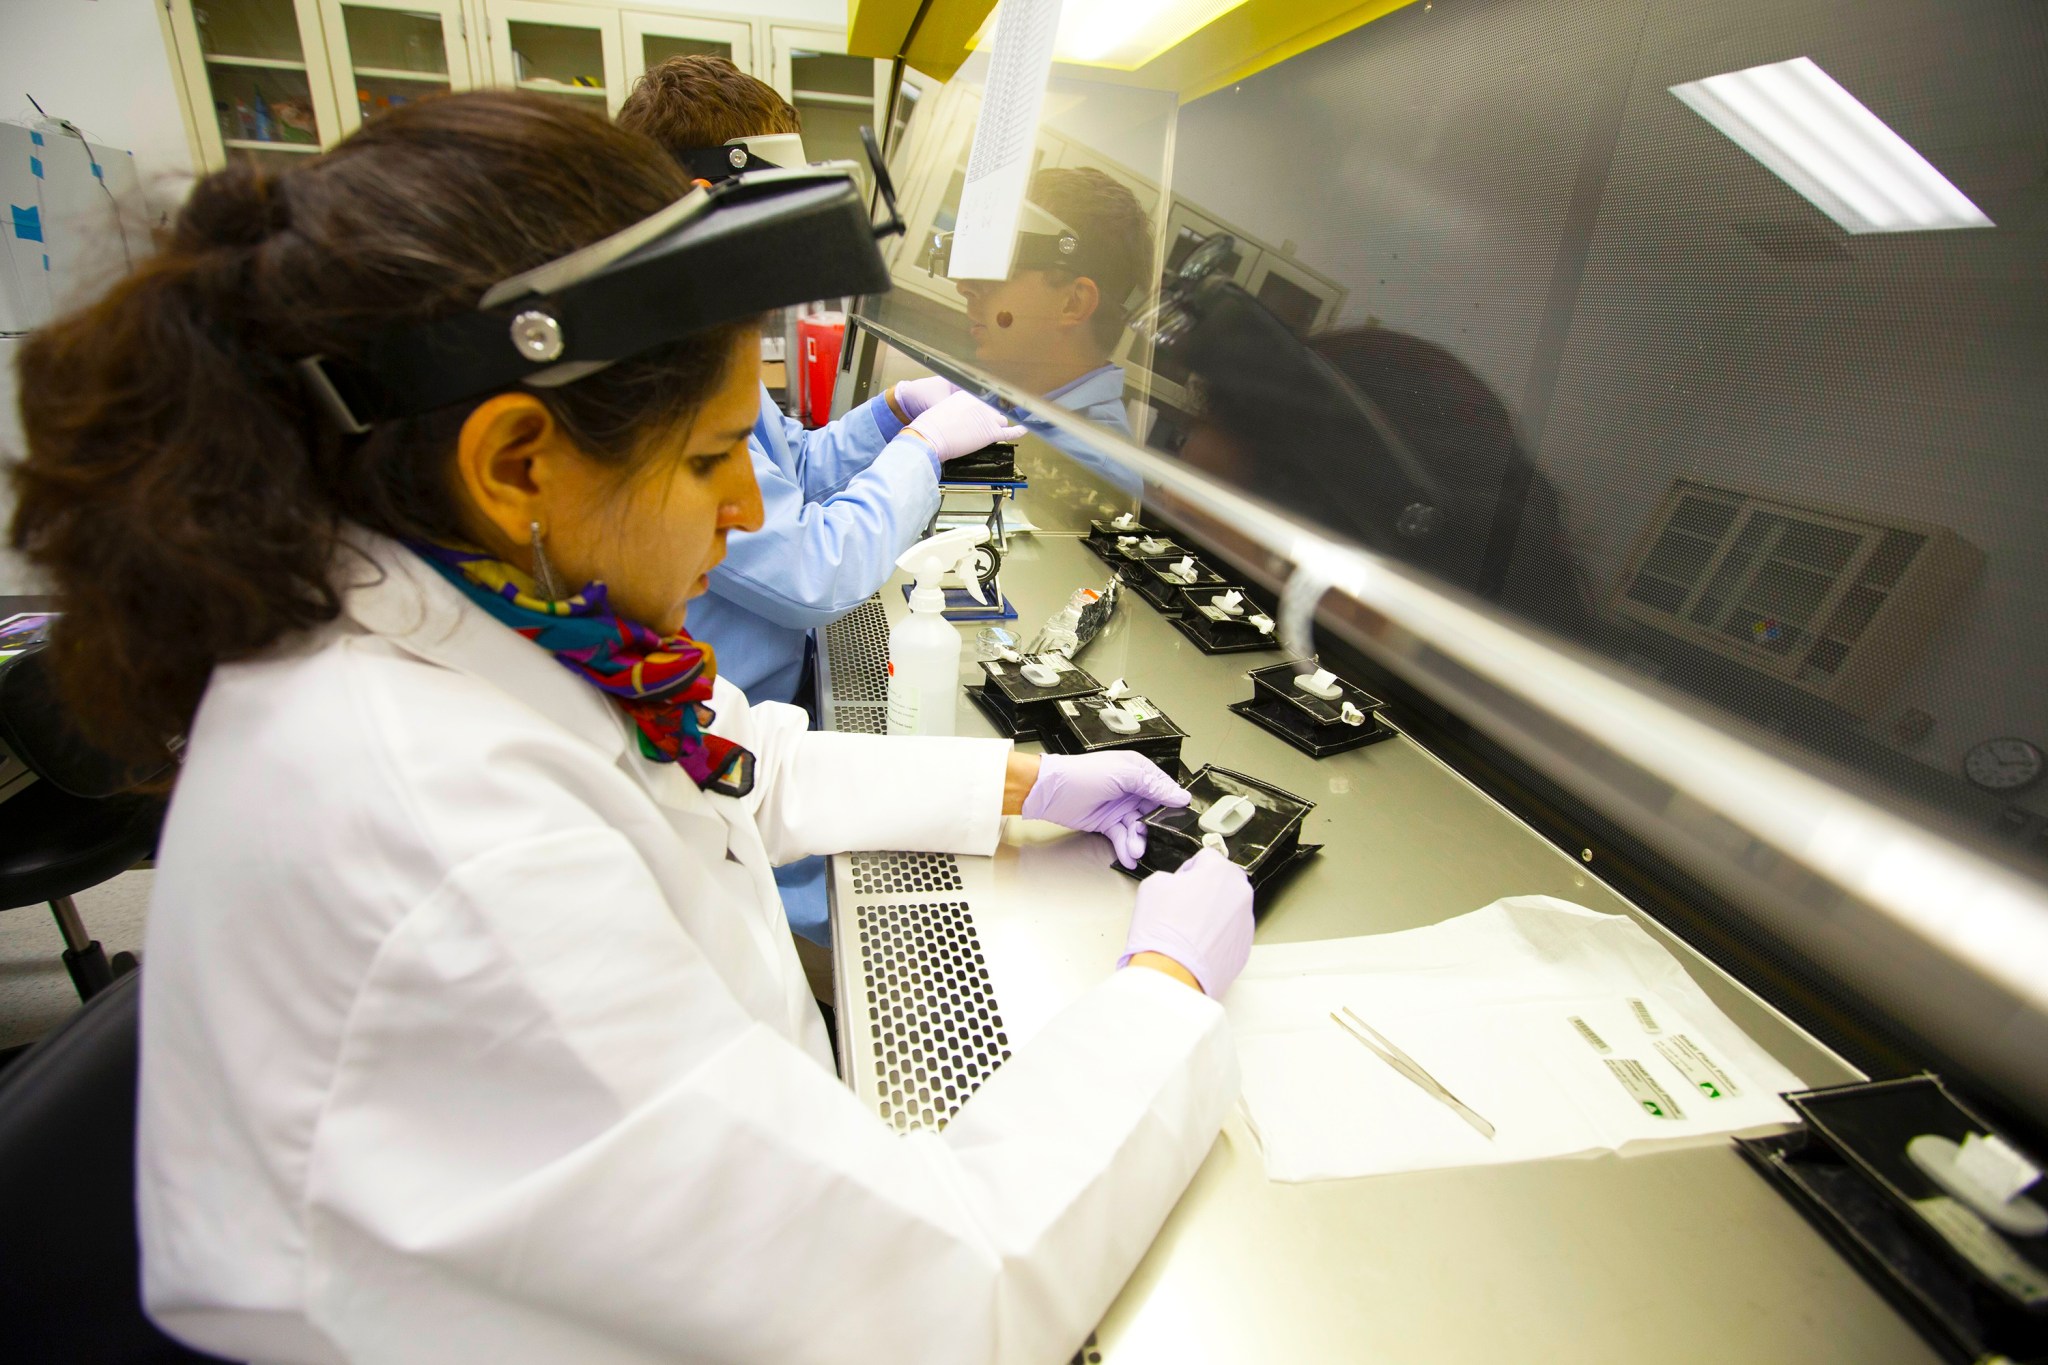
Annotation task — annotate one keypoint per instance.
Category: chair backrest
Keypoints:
(70, 1265)
(36, 726)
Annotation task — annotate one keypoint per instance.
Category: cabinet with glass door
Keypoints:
(255, 77)
(571, 51)
(387, 53)
(835, 95)
(651, 38)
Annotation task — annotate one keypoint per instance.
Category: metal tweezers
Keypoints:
(1412, 1069)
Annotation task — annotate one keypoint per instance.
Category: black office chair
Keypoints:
(70, 1265)
(78, 825)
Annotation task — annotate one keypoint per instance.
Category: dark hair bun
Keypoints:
(236, 207)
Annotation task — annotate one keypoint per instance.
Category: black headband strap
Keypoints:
(721, 163)
(755, 245)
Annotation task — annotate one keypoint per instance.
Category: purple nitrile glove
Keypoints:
(961, 425)
(917, 396)
(1200, 916)
(1108, 794)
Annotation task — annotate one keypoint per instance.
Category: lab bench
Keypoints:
(1677, 1256)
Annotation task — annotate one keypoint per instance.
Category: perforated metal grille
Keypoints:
(861, 720)
(932, 1016)
(857, 653)
(899, 874)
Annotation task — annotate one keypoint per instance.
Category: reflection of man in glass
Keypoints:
(1083, 257)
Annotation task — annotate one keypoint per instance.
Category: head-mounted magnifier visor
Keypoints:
(753, 243)
(1043, 243)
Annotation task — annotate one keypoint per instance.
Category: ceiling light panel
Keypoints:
(1816, 137)
(1123, 34)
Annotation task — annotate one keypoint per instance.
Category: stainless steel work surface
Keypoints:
(1683, 1256)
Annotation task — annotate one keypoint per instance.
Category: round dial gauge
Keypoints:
(2003, 765)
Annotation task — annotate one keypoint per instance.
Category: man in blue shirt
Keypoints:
(838, 504)
(1053, 325)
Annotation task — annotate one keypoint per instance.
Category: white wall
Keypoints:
(101, 64)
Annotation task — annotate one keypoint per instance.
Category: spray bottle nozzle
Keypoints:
(931, 559)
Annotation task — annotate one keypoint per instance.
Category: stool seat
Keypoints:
(54, 844)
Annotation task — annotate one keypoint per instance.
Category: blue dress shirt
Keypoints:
(838, 505)
(1098, 396)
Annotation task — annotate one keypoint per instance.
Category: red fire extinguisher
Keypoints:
(819, 337)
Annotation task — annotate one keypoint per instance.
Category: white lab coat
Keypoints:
(470, 1035)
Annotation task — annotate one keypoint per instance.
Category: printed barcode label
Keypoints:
(1697, 1067)
(1139, 707)
(1586, 1031)
(996, 669)
(1643, 1016)
(1643, 1088)
(1069, 708)
(1214, 613)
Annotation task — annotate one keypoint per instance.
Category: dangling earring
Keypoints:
(544, 572)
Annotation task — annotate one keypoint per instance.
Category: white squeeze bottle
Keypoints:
(924, 647)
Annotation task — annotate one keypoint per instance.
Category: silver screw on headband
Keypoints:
(544, 572)
(738, 157)
(536, 336)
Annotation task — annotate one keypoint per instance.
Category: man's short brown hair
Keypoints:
(1116, 236)
(687, 103)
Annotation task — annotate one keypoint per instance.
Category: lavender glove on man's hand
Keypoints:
(1200, 916)
(1108, 794)
(961, 425)
(917, 396)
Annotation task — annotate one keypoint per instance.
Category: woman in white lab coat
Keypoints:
(472, 1030)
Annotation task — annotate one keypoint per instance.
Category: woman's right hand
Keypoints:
(1199, 917)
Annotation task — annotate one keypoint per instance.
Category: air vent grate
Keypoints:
(857, 654)
(861, 720)
(932, 1017)
(905, 874)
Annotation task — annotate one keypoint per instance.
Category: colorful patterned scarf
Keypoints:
(662, 683)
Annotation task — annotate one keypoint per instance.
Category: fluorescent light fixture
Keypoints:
(1123, 34)
(1814, 135)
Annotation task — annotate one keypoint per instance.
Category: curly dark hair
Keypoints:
(179, 487)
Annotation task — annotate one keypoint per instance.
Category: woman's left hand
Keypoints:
(1108, 794)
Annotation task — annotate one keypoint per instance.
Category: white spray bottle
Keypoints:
(924, 647)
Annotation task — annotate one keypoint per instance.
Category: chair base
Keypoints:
(87, 962)
(90, 971)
